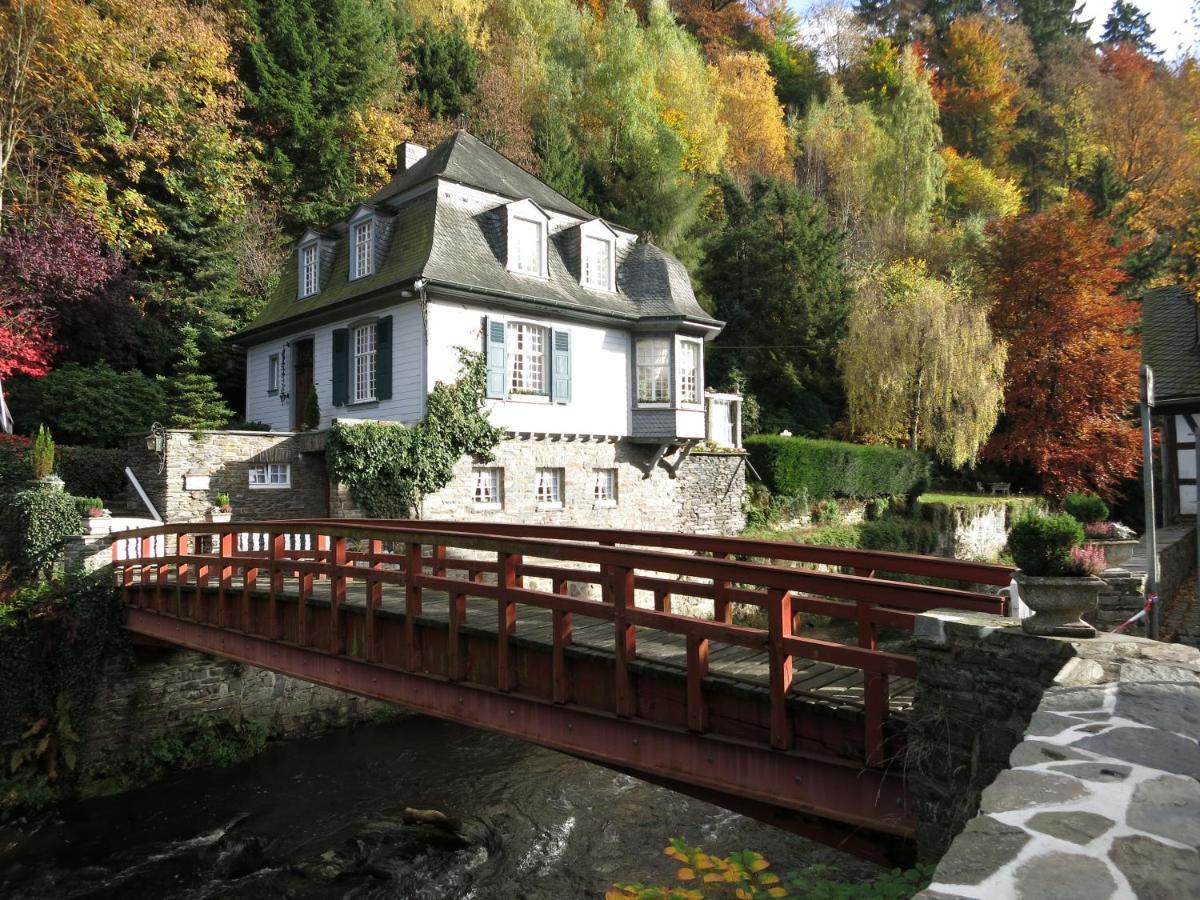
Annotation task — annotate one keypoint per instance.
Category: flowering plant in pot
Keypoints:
(222, 510)
(1058, 575)
(1117, 541)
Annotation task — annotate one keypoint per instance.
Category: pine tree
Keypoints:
(560, 165)
(775, 273)
(1050, 22)
(196, 402)
(446, 69)
(1126, 24)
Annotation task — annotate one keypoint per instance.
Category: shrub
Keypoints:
(1041, 545)
(836, 469)
(84, 505)
(898, 536)
(1100, 531)
(826, 512)
(91, 404)
(15, 469)
(1087, 560)
(93, 471)
(42, 456)
(833, 536)
(39, 521)
(1085, 508)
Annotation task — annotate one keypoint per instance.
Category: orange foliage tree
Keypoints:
(1072, 371)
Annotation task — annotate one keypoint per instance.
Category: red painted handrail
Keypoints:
(378, 554)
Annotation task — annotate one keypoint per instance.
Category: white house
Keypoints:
(593, 338)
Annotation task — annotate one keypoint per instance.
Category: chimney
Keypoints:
(408, 155)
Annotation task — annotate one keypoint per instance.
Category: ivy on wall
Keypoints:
(390, 467)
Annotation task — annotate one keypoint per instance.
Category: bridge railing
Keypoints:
(551, 573)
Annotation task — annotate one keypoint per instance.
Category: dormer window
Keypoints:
(527, 245)
(527, 229)
(309, 270)
(363, 236)
(597, 263)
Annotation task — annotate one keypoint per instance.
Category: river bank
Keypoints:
(322, 817)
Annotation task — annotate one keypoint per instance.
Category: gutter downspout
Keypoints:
(1147, 391)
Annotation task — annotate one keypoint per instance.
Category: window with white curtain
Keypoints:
(604, 486)
(550, 487)
(309, 263)
(654, 370)
(271, 475)
(364, 363)
(689, 372)
(364, 248)
(489, 481)
(527, 245)
(597, 262)
(526, 358)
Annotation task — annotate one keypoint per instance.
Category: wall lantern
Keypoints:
(156, 441)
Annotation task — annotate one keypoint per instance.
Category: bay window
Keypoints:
(654, 370)
(689, 372)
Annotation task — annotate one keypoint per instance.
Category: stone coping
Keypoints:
(1103, 795)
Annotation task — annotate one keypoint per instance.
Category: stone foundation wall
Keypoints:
(1175, 563)
(226, 457)
(972, 531)
(1124, 595)
(705, 496)
(163, 692)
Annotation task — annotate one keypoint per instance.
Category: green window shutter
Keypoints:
(494, 342)
(341, 366)
(562, 366)
(383, 358)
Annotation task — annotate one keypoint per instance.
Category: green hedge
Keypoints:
(38, 522)
(792, 466)
(93, 471)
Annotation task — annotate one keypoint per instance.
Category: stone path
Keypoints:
(1103, 797)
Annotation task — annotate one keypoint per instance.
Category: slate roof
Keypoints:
(1171, 345)
(457, 248)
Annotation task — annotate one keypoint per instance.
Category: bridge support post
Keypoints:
(506, 622)
(626, 639)
(562, 638)
(275, 552)
(337, 596)
(374, 602)
(224, 576)
(182, 569)
(779, 620)
(414, 569)
(697, 669)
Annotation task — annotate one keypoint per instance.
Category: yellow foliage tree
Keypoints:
(473, 14)
(974, 190)
(758, 140)
(921, 365)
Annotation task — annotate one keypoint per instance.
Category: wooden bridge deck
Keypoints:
(731, 668)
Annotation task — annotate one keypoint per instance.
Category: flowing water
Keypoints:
(323, 818)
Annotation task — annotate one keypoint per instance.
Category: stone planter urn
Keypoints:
(98, 524)
(1058, 602)
(1116, 552)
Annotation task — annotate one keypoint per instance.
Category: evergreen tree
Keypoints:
(1050, 22)
(1126, 24)
(560, 165)
(446, 68)
(775, 273)
(196, 402)
(309, 66)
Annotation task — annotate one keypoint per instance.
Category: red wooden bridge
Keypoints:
(619, 647)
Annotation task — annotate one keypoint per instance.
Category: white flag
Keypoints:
(6, 422)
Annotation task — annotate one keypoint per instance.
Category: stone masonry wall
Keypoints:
(168, 691)
(226, 456)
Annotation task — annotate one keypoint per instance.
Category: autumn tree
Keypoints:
(1072, 370)
(975, 91)
(775, 275)
(921, 365)
(752, 116)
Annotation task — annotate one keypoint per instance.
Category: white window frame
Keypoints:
(597, 276)
(488, 489)
(273, 373)
(364, 361)
(519, 331)
(697, 399)
(604, 487)
(550, 487)
(654, 400)
(528, 213)
(310, 253)
(269, 476)
(363, 256)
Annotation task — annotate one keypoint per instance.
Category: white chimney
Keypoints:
(408, 155)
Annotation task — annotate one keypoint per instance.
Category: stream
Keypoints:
(323, 817)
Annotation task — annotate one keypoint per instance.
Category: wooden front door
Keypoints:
(302, 379)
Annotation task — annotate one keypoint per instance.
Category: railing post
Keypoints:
(414, 569)
(622, 582)
(779, 623)
(722, 608)
(225, 574)
(662, 600)
(374, 601)
(337, 596)
(562, 639)
(322, 553)
(276, 549)
(875, 710)
(303, 592)
(697, 670)
(249, 584)
(146, 552)
(506, 622)
(160, 576)
(867, 636)
(456, 651)
(183, 549)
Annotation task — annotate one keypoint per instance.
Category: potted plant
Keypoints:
(1058, 575)
(222, 510)
(1118, 542)
(96, 519)
(41, 461)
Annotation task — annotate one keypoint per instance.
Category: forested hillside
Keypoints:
(925, 223)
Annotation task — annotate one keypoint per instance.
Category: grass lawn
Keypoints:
(982, 499)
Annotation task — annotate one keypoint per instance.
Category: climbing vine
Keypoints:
(390, 467)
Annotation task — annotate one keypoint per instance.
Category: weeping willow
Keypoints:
(921, 365)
